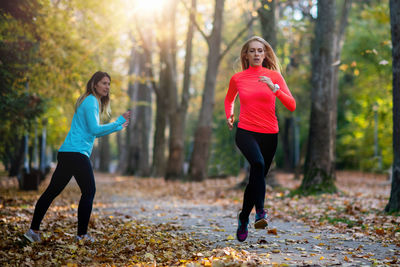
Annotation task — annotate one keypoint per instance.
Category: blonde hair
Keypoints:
(104, 101)
(270, 61)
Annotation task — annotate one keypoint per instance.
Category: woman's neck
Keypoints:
(255, 67)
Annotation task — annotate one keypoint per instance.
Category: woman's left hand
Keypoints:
(267, 80)
(127, 115)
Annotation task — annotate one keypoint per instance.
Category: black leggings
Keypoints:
(259, 150)
(69, 164)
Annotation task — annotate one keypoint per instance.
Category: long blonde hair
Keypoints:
(270, 61)
(104, 101)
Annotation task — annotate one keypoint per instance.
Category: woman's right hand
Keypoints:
(230, 121)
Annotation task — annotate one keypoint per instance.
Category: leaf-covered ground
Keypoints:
(125, 238)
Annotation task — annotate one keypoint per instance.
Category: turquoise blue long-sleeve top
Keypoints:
(85, 127)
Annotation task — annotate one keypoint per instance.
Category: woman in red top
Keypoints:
(258, 85)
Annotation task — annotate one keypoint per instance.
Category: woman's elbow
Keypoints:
(94, 131)
(292, 107)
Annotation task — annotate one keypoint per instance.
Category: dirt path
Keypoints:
(292, 243)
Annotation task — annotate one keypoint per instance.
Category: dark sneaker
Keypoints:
(261, 219)
(242, 230)
(32, 236)
(84, 238)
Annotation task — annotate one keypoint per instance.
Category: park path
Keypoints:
(293, 243)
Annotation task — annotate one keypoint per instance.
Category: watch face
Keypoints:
(276, 86)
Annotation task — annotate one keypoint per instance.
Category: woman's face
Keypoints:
(255, 54)
(103, 87)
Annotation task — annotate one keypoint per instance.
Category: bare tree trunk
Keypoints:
(160, 142)
(319, 174)
(141, 132)
(338, 45)
(104, 153)
(167, 91)
(200, 154)
(268, 21)
(178, 113)
(122, 140)
(94, 157)
(394, 201)
(125, 136)
(140, 126)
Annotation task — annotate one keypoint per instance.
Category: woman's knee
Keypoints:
(258, 165)
(89, 193)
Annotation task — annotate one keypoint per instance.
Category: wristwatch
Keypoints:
(276, 88)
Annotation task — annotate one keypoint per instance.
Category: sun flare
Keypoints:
(150, 6)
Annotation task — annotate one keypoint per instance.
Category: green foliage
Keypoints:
(225, 157)
(365, 88)
(18, 105)
(56, 46)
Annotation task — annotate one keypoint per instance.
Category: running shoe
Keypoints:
(84, 238)
(261, 219)
(32, 236)
(242, 230)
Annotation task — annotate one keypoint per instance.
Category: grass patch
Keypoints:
(336, 220)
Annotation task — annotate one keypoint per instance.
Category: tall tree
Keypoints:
(104, 154)
(319, 171)
(394, 201)
(337, 51)
(202, 138)
(166, 92)
(139, 91)
(177, 114)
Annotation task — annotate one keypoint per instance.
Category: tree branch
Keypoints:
(343, 20)
(193, 18)
(229, 46)
(148, 56)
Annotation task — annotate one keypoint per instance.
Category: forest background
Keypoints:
(170, 63)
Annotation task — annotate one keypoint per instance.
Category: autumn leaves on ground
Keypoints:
(123, 239)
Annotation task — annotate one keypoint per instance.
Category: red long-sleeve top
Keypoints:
(257, 101)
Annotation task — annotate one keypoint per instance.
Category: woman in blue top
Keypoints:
(73, 155)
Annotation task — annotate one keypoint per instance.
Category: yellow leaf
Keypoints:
(149, 256)
(230, 237)
(73, 248)
(343, 67)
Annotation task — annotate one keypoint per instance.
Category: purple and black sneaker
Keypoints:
(242, 230)
(261, 219)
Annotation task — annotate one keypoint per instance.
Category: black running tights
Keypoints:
(69, 164)
(259, 150)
